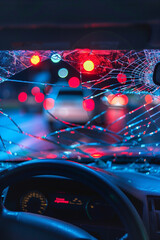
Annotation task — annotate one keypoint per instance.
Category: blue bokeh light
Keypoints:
(56, 58)
(63, 72)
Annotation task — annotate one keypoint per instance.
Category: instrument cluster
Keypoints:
(59, 198)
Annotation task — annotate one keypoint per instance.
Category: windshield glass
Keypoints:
(78, 104)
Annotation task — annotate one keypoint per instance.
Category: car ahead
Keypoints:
(97, 175)
(67, 105)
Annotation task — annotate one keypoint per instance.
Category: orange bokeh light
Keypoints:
(48, 103)
(118, 99)
(148, 98)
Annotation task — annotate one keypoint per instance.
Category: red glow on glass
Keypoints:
(88, 105)
(148, 98)
(51, 156)
(35, 59)
(110, 98)
(125, 99)
(112, 114)
(121, 148)
(121, 77)
(90, 150)
(48, 103)
(9, 152)
(94, 152)
(74, 82)
(39, 97)
(88, 65)
(124, 153)
(47, 89)
(97, 155)
(22, 97)
(28, 158)
(35, 90)
(117, 99)
(61, 200)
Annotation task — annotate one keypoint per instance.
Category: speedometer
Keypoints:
(34, 202)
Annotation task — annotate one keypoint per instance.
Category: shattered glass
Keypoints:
(120, 104)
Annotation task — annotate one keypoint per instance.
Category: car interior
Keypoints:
(80, 120)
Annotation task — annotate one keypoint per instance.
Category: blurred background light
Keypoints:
(117, 100)
(56, 58)
(35, 59)
(148, 98)
(39, 97)
(74, 82)
(121, 77)
(22, 97)
(48, 103)
(88, 65)
(88, 104)
(35, 90)
(63, 72)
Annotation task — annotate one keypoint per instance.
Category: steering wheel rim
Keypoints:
(87, 176)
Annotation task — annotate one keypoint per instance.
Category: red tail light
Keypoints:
(117, 100)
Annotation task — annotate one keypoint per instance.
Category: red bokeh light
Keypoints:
(48, 103)
(39, 97)
(22, 97)
(88, 105)
(121, 77)
(35, 59)
(148, 98)
(74, 82)
(35, 90)
(51, 156)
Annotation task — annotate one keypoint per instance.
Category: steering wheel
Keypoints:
(55, 229)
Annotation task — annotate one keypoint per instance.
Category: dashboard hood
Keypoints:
(90, 153)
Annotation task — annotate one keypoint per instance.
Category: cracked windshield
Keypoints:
(79, 104)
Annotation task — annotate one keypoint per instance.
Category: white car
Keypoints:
(68, 106)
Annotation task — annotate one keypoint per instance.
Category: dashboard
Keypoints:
(67, 200)
(73, 202)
